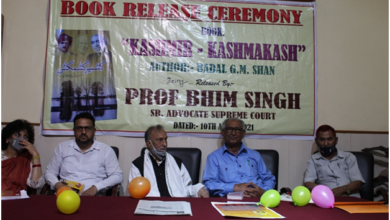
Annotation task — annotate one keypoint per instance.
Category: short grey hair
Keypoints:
(228, 119)
(150, 129)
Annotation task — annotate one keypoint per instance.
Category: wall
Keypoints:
(352, 47)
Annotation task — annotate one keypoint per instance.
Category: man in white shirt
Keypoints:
(167, 174)
(84, 160)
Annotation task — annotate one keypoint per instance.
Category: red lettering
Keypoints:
(129, 9)
(284, 16)
(141, 9)
(67, 7)
(195, 11)
(211, 13)
(221, 12)
(174, 12)
(259, 14)
(296, 15)
(161, 97)
(272, 15)
(108, 8)
(146, 95)
(234, 14)
(246, 12)
(172, 96)
(192, 99)
(186, 11)
(95, 8)
(81, 7)
(162, 11)
(129, 97)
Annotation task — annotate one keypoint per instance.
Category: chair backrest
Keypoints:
(190, 157)
(116, 150)
(271, 160)
(366, 166)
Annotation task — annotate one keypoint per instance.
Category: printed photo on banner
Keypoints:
(83, 78)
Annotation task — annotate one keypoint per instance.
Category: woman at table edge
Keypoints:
(19, 168)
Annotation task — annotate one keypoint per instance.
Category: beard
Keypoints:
(84, 139)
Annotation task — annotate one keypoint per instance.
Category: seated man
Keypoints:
(84, 160)
(167, 174)
(333, 168)
(234, 167)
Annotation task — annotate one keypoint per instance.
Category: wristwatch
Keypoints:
(348, 191)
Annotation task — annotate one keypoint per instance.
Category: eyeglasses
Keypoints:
(80, 128)
(231, 129)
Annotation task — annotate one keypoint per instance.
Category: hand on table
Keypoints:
(254, 190)
(203, 193)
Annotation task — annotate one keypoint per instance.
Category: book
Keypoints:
(75, 186)
(362, 207)
(235, 195)
(245, 210)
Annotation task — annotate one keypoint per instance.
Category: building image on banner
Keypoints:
(83, 80)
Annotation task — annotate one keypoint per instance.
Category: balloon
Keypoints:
(68, 202)
(300, 196)
(270, 199)
(60, 190)
(322, 196)
(139, 187)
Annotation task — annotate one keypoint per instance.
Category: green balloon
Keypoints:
(300, 196)
(270, 199)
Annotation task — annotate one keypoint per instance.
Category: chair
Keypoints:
(112, 191)
(366, 166)
(271, 160)
(31, 191)
(190, 157)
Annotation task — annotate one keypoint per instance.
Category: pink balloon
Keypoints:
(323, 196)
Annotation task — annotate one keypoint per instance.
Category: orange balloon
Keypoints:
(139, 187)
(60, 190)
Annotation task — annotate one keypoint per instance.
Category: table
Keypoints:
(123, 207)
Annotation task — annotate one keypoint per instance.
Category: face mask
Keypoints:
(15, 143)
(327, 151)
(159, 154)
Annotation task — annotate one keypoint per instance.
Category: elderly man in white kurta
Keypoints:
(167, 174)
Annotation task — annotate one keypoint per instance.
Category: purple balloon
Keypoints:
(323, 196)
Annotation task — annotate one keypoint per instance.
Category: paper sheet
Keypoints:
(156, 207)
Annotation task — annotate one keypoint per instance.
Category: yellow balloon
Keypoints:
(68, 202)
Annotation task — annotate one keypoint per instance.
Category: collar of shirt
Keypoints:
(340, 154)
(242, 150)
(93, 147)
(154, 159)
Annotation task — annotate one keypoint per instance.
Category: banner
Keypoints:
(187, 65)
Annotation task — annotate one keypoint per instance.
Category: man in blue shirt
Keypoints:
(234, 167)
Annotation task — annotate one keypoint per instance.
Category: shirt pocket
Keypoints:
(228, 173)
(69, 165)
(251, 168)
(321, 171)
(344, 168)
